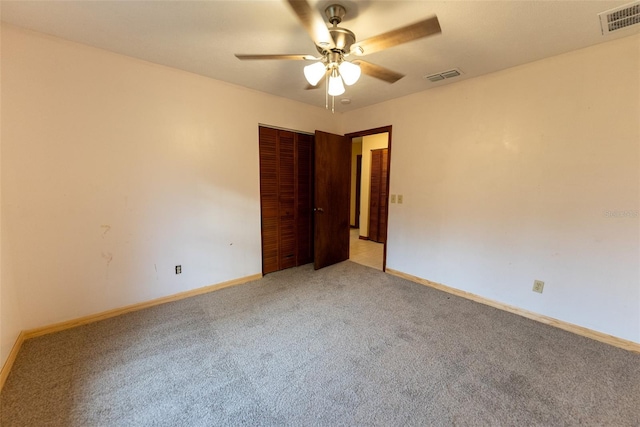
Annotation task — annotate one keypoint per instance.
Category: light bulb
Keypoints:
(314, 72)
(336, 87)
(350, 72)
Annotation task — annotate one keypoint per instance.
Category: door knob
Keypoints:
(318, 210)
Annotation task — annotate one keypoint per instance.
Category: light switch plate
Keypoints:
(400, 199)
(393, 198)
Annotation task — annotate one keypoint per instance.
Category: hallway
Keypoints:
(365, 252)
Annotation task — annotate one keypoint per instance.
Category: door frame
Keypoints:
(374, 131)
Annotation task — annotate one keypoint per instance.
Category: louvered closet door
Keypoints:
(269, 202)
(378, 197)
(384, 197)
(286, 179)
(287, 199)
(374, 196)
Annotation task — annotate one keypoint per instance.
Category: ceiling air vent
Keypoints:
(443, 75)
(435, 77)
(620, 17)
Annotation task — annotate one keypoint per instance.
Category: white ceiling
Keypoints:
(478, 37)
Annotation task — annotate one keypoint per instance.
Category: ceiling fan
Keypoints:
(336, 44)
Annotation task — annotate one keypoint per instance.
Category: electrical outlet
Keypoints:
(400, 199)
(178, 269)
(538, 286)
(393, 198)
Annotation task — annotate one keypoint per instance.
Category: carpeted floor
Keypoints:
(346, 345)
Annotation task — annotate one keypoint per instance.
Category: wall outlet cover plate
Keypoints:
(538, 286)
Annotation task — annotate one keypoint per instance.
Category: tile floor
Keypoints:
(365, 252)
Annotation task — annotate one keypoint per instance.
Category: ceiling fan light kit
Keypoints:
(335, 88)
(314, 72)
(335, 44)
(350, 72)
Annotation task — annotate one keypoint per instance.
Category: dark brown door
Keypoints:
(332, 187)
(358, 184)
(286, 198)
(378, 197)
(304, 196)
(269, 200)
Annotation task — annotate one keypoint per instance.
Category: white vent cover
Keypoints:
(443, 75)
(620, 17)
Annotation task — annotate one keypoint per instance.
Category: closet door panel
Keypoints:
(304, 203)
(374, 197)
(287, 198)
(269, 199)
(382, 222)
(378, 197)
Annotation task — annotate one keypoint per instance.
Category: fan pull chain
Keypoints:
(326, 92)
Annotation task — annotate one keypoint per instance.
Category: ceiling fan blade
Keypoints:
(398, 36)
(378, 72)
(290, 57)
(313, 23)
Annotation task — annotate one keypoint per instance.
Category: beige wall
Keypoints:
(513, 176)
(114, 170)
(356, 150)
(371, 142)
(10, 318)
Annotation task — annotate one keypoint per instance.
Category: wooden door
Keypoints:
(269, 204)
(358, 184)
(332, 198)
(287, 199)
(286, 189)
(378, 197)
(304, 199)
(384, 197)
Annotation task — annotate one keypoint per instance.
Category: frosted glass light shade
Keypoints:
(350, 72)
(314, 72)
(336, 87)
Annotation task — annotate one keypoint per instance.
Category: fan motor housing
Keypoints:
(342, 38)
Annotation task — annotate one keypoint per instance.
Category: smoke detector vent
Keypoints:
(621, 17)
(443, 75)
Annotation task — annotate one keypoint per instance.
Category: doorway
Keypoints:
(371, 159)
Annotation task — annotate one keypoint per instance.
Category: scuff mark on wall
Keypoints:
(109, 257)
(106, 229)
